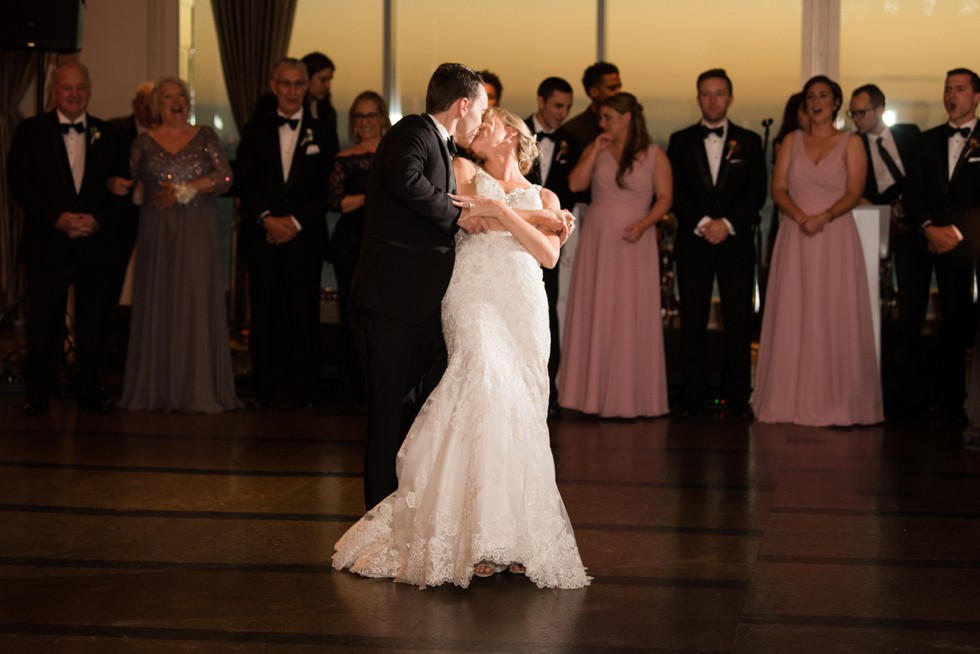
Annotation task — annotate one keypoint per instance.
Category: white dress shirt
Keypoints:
(956, 143)
(546, 149)
(288, 138)
(75, 144)
(883, 177)
(714, 146)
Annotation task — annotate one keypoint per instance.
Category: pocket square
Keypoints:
(312, 148)
(973, 160)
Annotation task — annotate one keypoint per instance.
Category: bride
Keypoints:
(476, 479)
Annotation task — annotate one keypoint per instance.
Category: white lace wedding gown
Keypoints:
(476, 479)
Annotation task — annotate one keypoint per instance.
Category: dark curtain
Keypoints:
(252, 35)
(17, 70)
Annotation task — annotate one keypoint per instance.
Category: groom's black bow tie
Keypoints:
(953, 131)
(67, 127)
(451, 145)
(547, 135)
(717, 131)
(282, 120)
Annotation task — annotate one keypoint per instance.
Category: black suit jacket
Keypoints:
(128, 227)
(562, 161)
(944, 200)
(261, 187)
(267, 103)
(409, 222)
(41, 183)
(740, 190)
(907, 141)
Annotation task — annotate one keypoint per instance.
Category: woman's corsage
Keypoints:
(733, 148)
(93, 135)
(184, 193)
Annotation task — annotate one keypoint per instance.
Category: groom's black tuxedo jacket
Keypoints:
(260, 185)
(907, 139)
(41, 182)
(949, 200)
(408, 253)
(562, 161)
(740, 190)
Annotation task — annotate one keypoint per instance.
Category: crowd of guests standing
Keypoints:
(82, 181)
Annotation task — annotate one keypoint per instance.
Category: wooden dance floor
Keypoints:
(164, 533)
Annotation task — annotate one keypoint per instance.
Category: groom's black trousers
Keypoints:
(402, 363)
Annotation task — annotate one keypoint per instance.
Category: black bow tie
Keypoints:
(282, 120)
(67, 127)
(953, 131)
(707, 131)
(451, 145)
(547, 135)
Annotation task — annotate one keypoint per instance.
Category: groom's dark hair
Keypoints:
(449, 83)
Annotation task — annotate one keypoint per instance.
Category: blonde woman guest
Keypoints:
(179, 358)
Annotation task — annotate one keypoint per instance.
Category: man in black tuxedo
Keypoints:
(719, 189)
(557, 155)
(894, 157)
(600, 80)
(58, 167)
(946, 208)
(282, 172)
(406, 262)
(319, 70)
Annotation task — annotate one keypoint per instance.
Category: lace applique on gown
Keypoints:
(476, 474)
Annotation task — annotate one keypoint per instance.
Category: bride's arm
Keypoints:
(465, 173)
(543, 247)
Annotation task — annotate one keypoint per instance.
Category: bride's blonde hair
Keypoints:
(527, 144)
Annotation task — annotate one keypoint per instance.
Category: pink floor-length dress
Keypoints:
(817, 359)
(613, 349)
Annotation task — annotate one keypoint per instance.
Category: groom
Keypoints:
(406, 262)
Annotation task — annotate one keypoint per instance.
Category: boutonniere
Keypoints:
(972, 147)
(93, 135)
(307, 137)
(563, 151)
(733, 148)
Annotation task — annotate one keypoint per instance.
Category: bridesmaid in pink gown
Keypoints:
(817, 359)
(613, 351)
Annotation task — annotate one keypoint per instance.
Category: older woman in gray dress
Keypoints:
(179, 357)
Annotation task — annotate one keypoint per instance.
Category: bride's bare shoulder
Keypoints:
(464, 170)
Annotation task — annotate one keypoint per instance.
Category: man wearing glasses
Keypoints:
(282, 165)
(894, 158)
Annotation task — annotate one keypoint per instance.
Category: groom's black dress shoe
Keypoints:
(95, 404)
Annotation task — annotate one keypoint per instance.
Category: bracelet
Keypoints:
(184, 192)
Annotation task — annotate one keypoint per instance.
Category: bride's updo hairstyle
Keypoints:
(527, 145)
(637, 138)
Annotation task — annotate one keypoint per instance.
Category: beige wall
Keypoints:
(123, 43)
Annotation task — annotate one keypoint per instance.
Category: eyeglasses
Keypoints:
(298, 84)
(859, 113)
(374, 115)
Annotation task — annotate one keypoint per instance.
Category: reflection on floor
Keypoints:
(131, 532)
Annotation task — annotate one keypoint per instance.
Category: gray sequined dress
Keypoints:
(179, 356)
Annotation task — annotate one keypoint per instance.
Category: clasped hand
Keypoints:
(77, 225)
(813, 225)
(941, 239)
(479, 211)
(279, 229)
